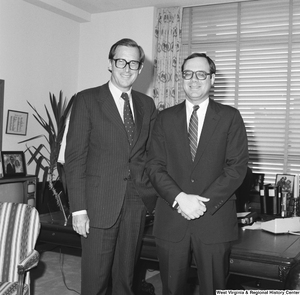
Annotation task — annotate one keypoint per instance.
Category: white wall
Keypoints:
(42, 52)
(98, 36)
(39, 53)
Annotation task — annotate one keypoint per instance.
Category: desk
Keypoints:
(256, 254)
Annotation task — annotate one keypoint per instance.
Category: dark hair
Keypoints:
(211, 63)
(128, 43)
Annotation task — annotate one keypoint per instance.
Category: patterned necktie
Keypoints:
(193, 132)
(128, 118)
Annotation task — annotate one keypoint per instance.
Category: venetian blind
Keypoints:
(256, 48)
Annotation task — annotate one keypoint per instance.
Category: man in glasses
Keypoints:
(109, 193)
(197, 159)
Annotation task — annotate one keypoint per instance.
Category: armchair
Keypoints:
(19, 230)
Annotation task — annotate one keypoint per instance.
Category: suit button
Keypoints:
(192, 180)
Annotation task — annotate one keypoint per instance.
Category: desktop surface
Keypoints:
(257, 253)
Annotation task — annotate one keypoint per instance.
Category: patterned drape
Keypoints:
(166, 62)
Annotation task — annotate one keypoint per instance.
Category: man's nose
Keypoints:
(194, 78)
(127, 68)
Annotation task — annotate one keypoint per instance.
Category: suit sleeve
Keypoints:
(76, 153)
(157, 169)
(145, 188)
(235, 166)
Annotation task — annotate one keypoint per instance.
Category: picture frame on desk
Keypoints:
(13, 163)
(286, 182)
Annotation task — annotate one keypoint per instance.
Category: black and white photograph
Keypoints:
(13, 164)
(286, 182)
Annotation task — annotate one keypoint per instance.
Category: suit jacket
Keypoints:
(218, 170)
(10, 168)
(99, 159)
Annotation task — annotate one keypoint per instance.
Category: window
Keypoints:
(256, 48)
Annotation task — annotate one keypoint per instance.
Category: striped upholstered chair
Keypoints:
(19, 229)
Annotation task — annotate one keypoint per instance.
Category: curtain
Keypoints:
(256, 48)
(166, 62)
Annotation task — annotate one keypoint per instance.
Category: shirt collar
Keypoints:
(116, 92)
(202, 105)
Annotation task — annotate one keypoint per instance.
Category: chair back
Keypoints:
(19, 230)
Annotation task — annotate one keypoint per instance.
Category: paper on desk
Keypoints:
(242, 214)
(255, 225)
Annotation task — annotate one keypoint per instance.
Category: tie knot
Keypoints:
(125, 96)
(195, 108)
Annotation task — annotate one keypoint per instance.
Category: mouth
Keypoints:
(125, 76)
(195, 87)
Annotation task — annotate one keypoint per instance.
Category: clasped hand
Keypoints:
(191, 206)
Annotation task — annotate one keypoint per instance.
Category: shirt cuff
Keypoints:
(175, 205)
(79, 212)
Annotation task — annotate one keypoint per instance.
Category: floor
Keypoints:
(58, 272)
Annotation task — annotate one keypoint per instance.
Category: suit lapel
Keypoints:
(210, 123)
(138, 116)
(180, 127)
(110, 109)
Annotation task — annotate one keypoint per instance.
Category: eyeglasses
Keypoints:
(200, 75)
(121, 63)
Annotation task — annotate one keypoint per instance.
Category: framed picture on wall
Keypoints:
(286, 181)
(16, 122)
(13, 164)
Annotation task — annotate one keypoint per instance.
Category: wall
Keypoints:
(98, 36)
(39, 53)
(42, 52)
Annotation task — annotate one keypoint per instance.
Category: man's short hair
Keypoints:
(128, 43)
(211, 63)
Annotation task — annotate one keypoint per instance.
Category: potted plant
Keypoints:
(46, 157)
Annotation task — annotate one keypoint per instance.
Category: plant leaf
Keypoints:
(54, 126)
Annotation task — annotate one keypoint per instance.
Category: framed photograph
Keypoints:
(13, 164)
(16, 122)
(286, 181)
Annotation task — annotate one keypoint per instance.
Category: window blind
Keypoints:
(256, 48)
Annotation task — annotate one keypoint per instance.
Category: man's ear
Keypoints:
(141, 67)
(110, 65)
(212, 79)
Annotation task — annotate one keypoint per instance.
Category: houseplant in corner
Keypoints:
(46, 157)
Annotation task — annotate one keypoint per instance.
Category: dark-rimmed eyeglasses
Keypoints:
(200, 75)
(121, 63)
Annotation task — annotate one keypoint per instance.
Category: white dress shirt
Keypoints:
(201, 112)
(116, 93)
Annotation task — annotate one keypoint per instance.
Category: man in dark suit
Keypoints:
(109, 193)
(10, 167)
(197, 159)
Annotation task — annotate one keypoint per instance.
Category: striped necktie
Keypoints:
(128, 118)
(193, 132)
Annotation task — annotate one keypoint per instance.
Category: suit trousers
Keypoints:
(212, 261)
(113, 252)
